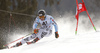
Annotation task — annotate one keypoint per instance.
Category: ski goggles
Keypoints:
(41, 17)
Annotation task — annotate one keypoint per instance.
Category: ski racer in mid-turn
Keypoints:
(47, 22)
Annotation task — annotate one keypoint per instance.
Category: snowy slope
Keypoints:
(86, 43)
(68, 42)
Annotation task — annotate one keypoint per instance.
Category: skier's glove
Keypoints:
(36, 31)
(56, 35)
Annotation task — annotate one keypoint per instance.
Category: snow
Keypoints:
(67, 42)
(85, 43)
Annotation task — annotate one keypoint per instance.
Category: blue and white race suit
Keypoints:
(44, 30)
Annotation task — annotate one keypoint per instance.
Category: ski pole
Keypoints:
(16, 40)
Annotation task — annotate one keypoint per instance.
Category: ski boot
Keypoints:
(35, 40)
(18, 44)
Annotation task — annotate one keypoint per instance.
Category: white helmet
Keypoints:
(41, 12)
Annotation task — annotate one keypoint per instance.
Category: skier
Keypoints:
(46, 22)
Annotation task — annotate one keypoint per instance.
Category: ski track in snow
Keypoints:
(85, 43)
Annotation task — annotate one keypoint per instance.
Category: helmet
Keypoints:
(41, 12)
